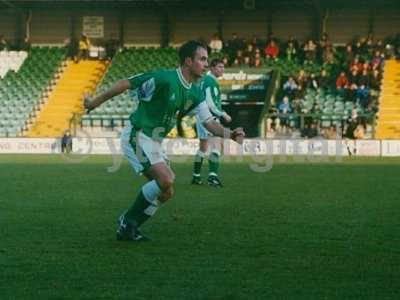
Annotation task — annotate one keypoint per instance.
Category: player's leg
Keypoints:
(215, 146)
(158, 190)
(147, 158)
(202, 134)
(198, 161)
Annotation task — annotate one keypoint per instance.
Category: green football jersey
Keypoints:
(210, 87)
(162, 95)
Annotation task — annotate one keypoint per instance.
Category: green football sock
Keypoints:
(213, 161)
(198, 162)
(145, 205)
(137, 211)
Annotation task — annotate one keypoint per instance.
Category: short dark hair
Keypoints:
(189, 49)
(215, 62)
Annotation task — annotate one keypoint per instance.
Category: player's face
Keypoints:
(199, 64)
(218, 70)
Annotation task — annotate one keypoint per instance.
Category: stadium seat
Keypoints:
(23, 85)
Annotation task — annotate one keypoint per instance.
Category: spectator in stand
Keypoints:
(215, 44)
(324, 41)
(257, 42)
(359, 132)
(84, 47)
(342, 82)
(257, 62)
(291, 52)
(348, 55)
(3, 44)
(272, 51)
(284, 110)
(363, 95)
(366, 66)
(111, 46)
(310, 52)
(293, 41)
(365, 77)
(312, 82)
(246, 61)
(233, 46)
(389, 51)
(377, 60)
(369, 45)
(249, 52)
(72, 48)
(323, 80)
(330, 133)
(290, 87)
(328, 54)
(379, 46)
(375, 80)
(310, 131)
(239, 60)
(225, 61)
(356, 64)
(358, 48)
(326, 49)
(354, 78)
(273, 122)
(302, 79)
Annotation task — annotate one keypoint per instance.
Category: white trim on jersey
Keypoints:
(211, 104)
(182, 79)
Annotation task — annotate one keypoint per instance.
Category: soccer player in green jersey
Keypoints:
(210, 87)
(162, 95)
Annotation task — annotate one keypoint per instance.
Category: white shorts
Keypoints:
(140, 150)
(202, 132)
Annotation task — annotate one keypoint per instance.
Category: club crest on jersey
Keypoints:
(172, 97)
(146, 90)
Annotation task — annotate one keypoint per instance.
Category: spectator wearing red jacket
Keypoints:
(272, 50)
(356, 65)
(342, 81)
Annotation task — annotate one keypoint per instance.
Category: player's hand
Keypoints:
(87, 104)
(227, 118)
(238, 135)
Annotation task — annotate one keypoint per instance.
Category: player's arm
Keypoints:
(118, 88)
(214, 109)
(216, 128)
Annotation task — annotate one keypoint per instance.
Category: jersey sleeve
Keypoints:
(200, 107)
(209, 97)
(144, 86)
(202, 112)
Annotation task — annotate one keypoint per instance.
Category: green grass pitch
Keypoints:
(301, 231)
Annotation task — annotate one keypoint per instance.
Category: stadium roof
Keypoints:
(194, 3)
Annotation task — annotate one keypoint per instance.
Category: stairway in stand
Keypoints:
(388, 124)
(66, 97)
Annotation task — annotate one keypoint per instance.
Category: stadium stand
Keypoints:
(128, 62)
(22, 92)
(66, 98)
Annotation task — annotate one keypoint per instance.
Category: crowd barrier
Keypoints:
(87, 146)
